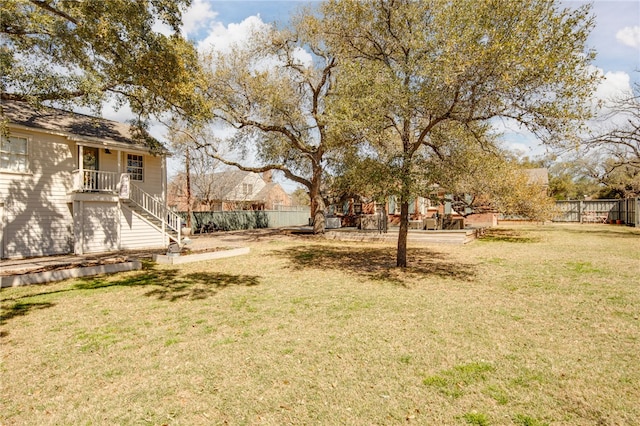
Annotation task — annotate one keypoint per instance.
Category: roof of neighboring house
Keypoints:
(538, 176)
(77, 126)
(263, 195)
(227, 181)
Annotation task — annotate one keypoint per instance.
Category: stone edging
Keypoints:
(63, 274)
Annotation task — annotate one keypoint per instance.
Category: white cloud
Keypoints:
(303, 57)
(519, 148)
(629, 36)
(516, 137)
(197, 17)
(221, 38)
(614, 85)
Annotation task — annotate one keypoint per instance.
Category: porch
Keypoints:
(97, 181)
(105, 200)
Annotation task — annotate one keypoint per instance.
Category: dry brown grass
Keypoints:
(530, 326)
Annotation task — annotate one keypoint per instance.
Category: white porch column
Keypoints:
(80, 177)
(80, 157)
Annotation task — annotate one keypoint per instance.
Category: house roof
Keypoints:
(538, 176)
(77, 126)
(263, 195)
(227, 181)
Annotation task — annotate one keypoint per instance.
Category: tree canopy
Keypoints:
(271, 92)
(416, 67)
(85, 52)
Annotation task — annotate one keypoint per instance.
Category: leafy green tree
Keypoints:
(483, 178)
(369, 176)
(413, 67)
(272, 92)
(85, 52)
(300, 197)
(570, 179)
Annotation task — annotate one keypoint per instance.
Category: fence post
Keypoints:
(580, 209)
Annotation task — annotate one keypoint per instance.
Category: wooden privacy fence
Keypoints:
(203, 222)
(626, 211)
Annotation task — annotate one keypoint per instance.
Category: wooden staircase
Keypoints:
(154, 212)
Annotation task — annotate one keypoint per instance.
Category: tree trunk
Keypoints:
(318, 215)
(401, 256)
(317, 203)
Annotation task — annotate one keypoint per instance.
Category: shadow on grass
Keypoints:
(21, 309)
(378, 263)
(169, 285)
(166, 285)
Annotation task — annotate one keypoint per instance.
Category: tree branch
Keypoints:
(47, 6)
(261, 169)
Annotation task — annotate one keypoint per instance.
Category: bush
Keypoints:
(203, 222)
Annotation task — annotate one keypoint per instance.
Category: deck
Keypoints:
(461, 236)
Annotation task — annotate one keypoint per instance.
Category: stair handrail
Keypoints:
(157, 209)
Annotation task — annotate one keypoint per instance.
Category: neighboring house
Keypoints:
(229, 190)
(71, 183)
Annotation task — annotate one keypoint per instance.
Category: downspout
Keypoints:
(163, 179)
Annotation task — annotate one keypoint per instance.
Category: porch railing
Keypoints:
(101, 181)
(96, 180)
(157, 209)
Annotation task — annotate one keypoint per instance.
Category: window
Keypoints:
(14, 155)
(134, 166)
(247, 189)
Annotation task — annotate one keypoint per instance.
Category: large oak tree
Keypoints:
(81, 53)
(414, 67)
(272, 93)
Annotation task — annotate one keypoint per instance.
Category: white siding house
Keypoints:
(70, 183)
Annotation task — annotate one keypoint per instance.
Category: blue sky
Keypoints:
(616, 39)
(616, 36)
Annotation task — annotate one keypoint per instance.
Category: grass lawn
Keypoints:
(529, 326)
